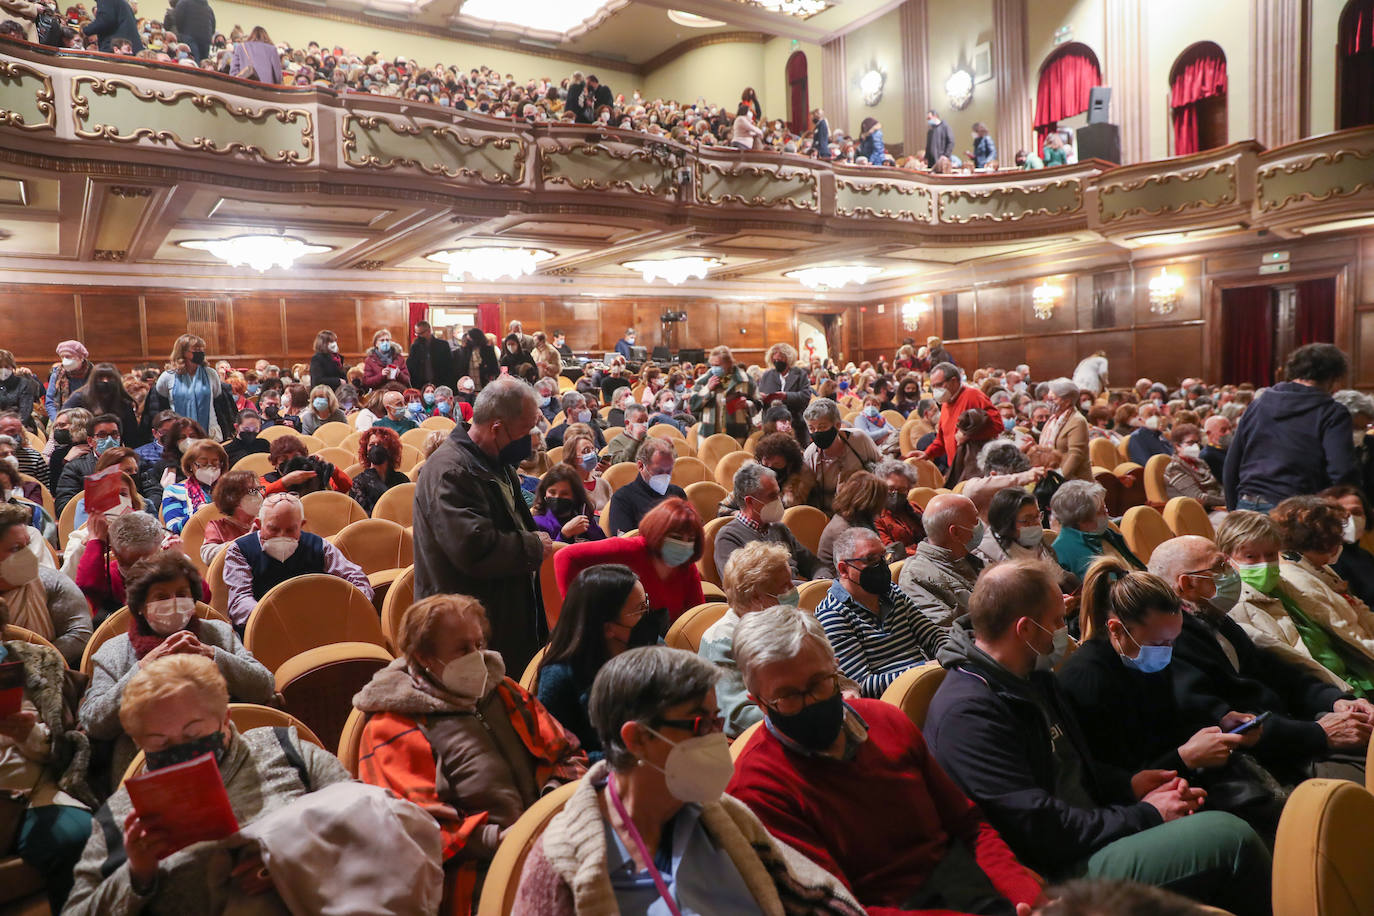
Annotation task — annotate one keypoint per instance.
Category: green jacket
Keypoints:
(1077, 549)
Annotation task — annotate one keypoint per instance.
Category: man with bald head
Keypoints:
(1314, 729)
(939, 577)
(1216, 430)
(278, 549)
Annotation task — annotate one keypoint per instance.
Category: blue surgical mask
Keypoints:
(321, 404)
(1009, 424)
(717, 371)
(589, 461)
(254, 389)
(871, 411)
(429, 399)
(105, 443)
(584, 416)
(677, 552)
(544, 400)
(445, 408)
(791, 597)
(1151, 658)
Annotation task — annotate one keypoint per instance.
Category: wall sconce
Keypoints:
(959, 89)
(871, 85)
(1164, 292)
(1044, 298)
(911, 314)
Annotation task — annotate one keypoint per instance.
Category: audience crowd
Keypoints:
(188, 36)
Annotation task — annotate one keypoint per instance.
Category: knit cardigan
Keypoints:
(566, 873)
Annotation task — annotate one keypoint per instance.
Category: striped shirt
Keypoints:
(874, 650)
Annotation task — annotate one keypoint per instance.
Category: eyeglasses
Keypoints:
(864, 562)
(640, 611)
(789, 703)
(697, 725)
(1215, 572)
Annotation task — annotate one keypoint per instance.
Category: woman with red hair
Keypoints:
(380, 450)
(663, 555)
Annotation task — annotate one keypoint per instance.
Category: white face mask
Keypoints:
(184, 444)
(1030, 537)
(659, 483)
(466, 676)
(5, 374)
(1190, 451)
(1152, 422)
(19, 568)
(207, 476)
(70, 362)
(697, 769)
(167, 616)
(1353, 530)
(250, 505)
(771, 513)
(333, 346)
(126, 505)
(280, 549)
(939, 394)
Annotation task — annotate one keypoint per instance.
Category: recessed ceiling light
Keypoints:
(692, 20)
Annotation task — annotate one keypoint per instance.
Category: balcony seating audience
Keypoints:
(876, 631)
(1291, 603)
(1085, 531)
(379, 451)
(1004, 732)
(716, 856)
(279, 550)
(203, 462)
(940, 576)
(651, 486)
(1355, 565)
(449, 731)
(174, 709)
(239, 496)
(39, 598)
(1295, 439)
(759, 518)
(563, 508)
(1315, 728)
(162, 592)
(851, 783)
(605, 613)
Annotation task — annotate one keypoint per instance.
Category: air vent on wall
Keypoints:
(203, 318)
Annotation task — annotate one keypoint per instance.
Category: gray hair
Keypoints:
(887, 468)
(774, 635)
(1064, 389)
(135, 532)
(443, 391)
(637, 686)
(749, 479)
(1076, 501)
(546, 386)
(1001, 456)
(1356, 402)
(635, 410)
(651, 446)
(507, 399)
(949, 370)
(822, 409)
(847, 543)
(570, 400)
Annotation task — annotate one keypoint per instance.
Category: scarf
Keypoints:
(195, 494)
(144, 640)
(191, 395)
(28, 606)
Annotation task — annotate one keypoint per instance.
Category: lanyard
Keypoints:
(643, 850)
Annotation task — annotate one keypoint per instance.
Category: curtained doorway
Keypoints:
(1261, 325)
(798, 95)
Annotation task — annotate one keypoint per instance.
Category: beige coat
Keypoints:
(1265, 620)
(1326, 597)
(1072, 442)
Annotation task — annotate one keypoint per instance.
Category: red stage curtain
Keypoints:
(1356, 44)
(418, 311)
(1315, 318)
(1248, 346)
(1063, 89)
(1201, 78)
(489, 317)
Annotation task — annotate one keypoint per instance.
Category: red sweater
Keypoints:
(680, 591)
(879, 822)
(968, 398)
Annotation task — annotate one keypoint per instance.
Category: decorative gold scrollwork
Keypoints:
(373, 161)
(81, 110)
(643, 187)
(13, 70)
(884, 187)
(1227, 170)
(1293, 168)
(1007, 192)
(753, 171)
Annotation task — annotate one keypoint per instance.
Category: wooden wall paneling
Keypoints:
(121, 330)
(166, 321)
(1003, 354)
(1065, 317)
(999, 311)
(1051, 356)
(743, 330)
(702, 327)
(1364, 346)
(306, 316)
(875, 331)
(616, 316)
(1174, 352)
(577, 319)
(258, 325)
(965, 353)
(36, 320)
(377, 312)
(779, 325)
(648, 327)
(968, 314)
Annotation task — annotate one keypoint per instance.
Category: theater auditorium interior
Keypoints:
(737, 456)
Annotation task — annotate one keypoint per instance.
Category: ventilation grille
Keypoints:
(203, 319)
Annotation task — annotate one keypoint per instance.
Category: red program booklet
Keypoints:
(11, 688)
(188, 799)
(102, 490)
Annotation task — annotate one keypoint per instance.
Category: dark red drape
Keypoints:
(418, 312)
(1201, 77)
(1063, 88)
(1248, 341)
(1356, 48)
(489, 317)
(1315, 317)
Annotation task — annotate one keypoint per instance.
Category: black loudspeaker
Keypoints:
(1100, 141)
(691, 355)
(1099, 98)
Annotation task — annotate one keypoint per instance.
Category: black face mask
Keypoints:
(104, 387)
(377, 454)
(516, 451)
(909, 395)
(271, 410)
(825, 438)
(649, 628)
(561, 507)
(781, 367)
(876, 579)
(198, 357)
(212, 743)
(816, 727)
(247, 435)
(896, 502)
(62, 436)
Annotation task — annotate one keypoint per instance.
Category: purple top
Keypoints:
(262, 57)
(238, 578)
(554, 528)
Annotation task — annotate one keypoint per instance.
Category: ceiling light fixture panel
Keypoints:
(260, 251)
(674, 271)
(834, 277)
(489, 264)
